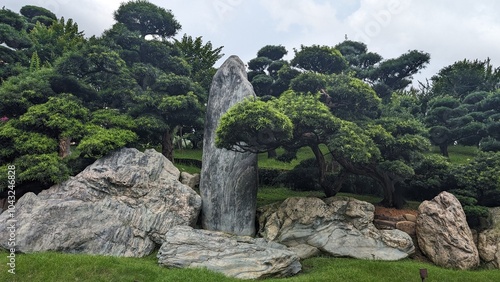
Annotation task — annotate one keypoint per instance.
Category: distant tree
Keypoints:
(147, 19)
(201, 57)
(465, 77)
(36, 14)
(52, 41)
(478, 185)
(396, 74)
(273, 52)
(13, 40)
(321, 59)
(360, 61)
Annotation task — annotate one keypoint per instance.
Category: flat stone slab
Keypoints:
(235, 256)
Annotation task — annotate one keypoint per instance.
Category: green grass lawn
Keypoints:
(459, 154)
(55, 267)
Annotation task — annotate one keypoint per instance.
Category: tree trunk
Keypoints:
(64, 147)
(340, 180)
(393, 198)
(388, 188)
(167, 145)
(271, 154)
(320, 159)
(444, 149)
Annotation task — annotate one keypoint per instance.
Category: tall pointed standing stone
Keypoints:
(228, 183)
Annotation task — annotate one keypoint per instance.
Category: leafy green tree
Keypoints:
(465, 77)
(36, 14)
(321, 59)
(396, 74)
(201, 57)
(360, 61)
(478, 185)
(399, 143)
(13, 40)
(272, 52)
(265, 70)
(18, 93)
(52, 41)
(61, 118)
(147, 19)
(292, 121)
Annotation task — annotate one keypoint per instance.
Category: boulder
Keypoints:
(121, 205)
(408, 227)
(228, 184)
(410, 217)
(338, 226)
(444, 235)
(235, 256)
(489, 241)
(191, 180)
(305, 251)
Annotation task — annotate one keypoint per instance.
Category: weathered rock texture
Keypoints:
(234, 256)
(444, 235)
(191, 180)
(489, 241)
(338, 226)
(122, 205)
(228, 182)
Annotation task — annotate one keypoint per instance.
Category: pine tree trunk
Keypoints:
(444, 150)
(167, 145)
(64, 147)
(320, 159)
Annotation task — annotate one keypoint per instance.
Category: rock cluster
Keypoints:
(122, 205)
(337, 226)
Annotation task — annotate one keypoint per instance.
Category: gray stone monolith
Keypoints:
(228, 183)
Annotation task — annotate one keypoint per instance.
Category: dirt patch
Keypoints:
(393, 213)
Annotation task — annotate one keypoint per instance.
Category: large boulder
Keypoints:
(444, 235)
(489, 241)
(122, 205)
(234, 256)
(228, 184)
(338, 226)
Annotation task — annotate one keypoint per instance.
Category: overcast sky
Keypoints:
(449, 30)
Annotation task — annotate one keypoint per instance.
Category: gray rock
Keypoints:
(234, 256)
(338, 226)
(305, 251)
(122, 205)
(228, 184)
(489, 241)
(444, 235)
(191, 180)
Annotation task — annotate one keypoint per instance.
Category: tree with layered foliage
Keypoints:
(147, 19)
(464, 77)
(70, 100)
(385, 76)
(321, 59)
(201, 57)
(269, 73)
(14, 40)
(169, 92)
(291, 121)
(477, 186)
